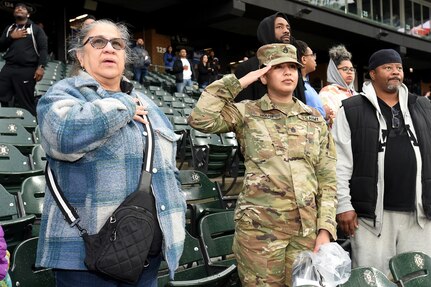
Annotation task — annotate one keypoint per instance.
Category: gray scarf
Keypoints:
(334, 77)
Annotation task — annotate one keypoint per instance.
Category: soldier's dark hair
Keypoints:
(301, 48)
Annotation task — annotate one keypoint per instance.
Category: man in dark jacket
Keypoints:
(272, 29)
(183, 71)
(26, 56)
(383, 144)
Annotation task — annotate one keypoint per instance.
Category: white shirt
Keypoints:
(187, 71)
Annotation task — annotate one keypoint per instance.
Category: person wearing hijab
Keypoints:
(272, 29)
(340, 76)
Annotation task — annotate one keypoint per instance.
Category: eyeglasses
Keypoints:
(314, 55)
(99, 42)
(395, 119)
(347, 69)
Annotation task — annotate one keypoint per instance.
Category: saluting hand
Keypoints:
(253, 76)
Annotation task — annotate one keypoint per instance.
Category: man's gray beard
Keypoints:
(393, 88)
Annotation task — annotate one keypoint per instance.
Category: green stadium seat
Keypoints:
(23, 271)
(411, 269)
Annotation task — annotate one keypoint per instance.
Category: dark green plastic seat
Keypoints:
(203, 196)
(33, 194)
(14, 166)
(209, 154)
(13, 132)
(193, 272)
(23, 271)
(16, 224)
(38, 157)
(368, 276)
(19, 115)
(411, 269)
(216, 232)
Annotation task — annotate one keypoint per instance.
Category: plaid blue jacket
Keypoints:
(95, 150)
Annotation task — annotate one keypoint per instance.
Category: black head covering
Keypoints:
(265, 30)
(384, 56)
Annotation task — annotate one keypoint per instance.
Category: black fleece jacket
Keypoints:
(30, 51)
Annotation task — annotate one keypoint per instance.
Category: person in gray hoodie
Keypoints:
(272, 29)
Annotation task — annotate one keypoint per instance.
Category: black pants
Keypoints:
(17, 87)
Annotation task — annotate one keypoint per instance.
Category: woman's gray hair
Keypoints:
(75, 43)
(339, 53)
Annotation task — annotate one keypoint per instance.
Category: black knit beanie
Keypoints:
(382, 57)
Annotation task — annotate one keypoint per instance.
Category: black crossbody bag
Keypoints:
(120, 249)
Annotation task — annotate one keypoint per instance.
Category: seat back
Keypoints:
(33, 193)
(23, 271)
(38, 157)
(14, 133)
(9, 206)
(216, 232)
(209, 154)
(202, 196)
(411, 269)
(14, 166)
(13, 219)
(193, 272)
(19, 115)
(368, 276)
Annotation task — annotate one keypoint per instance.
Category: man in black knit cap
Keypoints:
(383, 143)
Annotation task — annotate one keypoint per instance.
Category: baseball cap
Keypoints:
(273, 54)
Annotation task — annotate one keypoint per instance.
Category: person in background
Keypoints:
(169, 59)
(215, 66)
(92, 131)
(87, 20)
(4, 262)
(204, 70)
(272, 29)
(141, 61)
(383, 141)
(183, 71)
(288, 200)
(26, 56)
(308, 60)
(340, 76)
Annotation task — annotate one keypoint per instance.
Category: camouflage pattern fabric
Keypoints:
(289, 186)
(265, 257)
(273, 54)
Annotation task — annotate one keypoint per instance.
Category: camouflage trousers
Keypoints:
(265, 256)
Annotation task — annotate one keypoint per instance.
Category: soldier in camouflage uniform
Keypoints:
(288, 200)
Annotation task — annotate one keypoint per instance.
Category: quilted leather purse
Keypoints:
(120, 249)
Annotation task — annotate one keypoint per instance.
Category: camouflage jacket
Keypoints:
(289, 158)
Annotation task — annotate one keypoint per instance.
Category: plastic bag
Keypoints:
(333, 264)
(304, 273)
(329, 267)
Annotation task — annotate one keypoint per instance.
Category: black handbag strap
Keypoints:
(70, 213)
